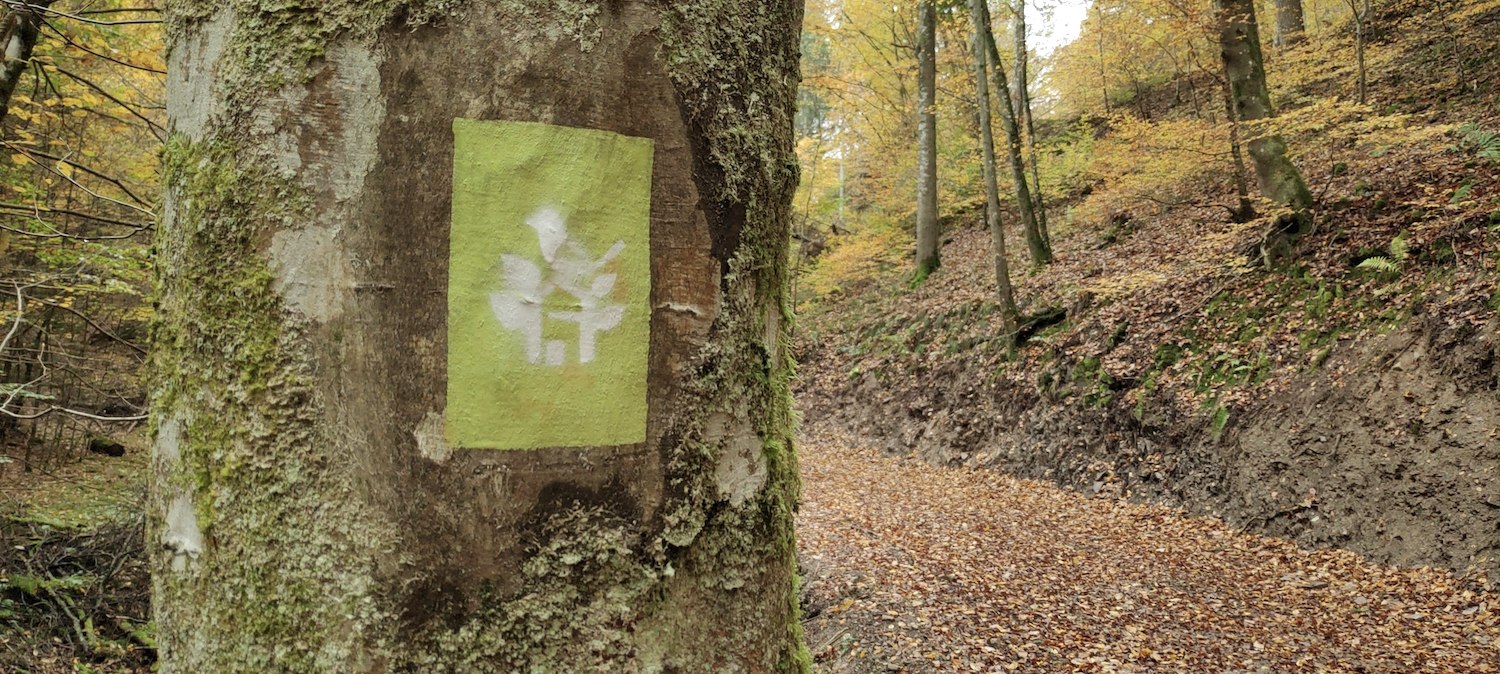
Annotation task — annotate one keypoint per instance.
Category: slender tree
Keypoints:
(1360, 13)
(928, 257)
(1036, 241)
(385, 224)
(1278, 177)
(1026, 120)
(1289, 22)
(1009, 313)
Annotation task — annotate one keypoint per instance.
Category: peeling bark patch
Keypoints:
(182, 538)
(741, 471)
(191, 70)
(168, 445)
(359, 111)
(430, 438)
(312, 274)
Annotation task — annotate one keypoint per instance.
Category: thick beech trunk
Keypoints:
(319, 503)
(928, 257)
(1009, 313)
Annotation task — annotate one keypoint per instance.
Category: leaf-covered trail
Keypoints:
(914, 568)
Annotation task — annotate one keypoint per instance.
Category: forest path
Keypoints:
(916, 568)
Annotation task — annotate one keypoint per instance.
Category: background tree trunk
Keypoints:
(928, 257)
(1025, 120)
(1244, 210)
(1360, 12)
(1289, 22)
(1036, 243)
(309, 513)
(19, 31)
(1239, 40)
(1009, 313)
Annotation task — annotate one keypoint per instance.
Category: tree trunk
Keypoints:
(374, 212)
(1103, 69)
(928, 257)
(1278, 178)
(1009, 313)
(1036, 243)
(19, 30)
(1023, 112)
(1289, 22)
(1360, 14)
(1244, 210)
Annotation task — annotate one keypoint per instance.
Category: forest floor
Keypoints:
(918, 568)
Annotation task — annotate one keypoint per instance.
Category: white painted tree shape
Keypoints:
(522, 306)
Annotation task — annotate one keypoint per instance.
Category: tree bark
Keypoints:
(1036, 243)
(1025, 119)
(20, 28)
(1360, 13)
(315, 507)
(928, 256)
(1278, 178)
(1009, 313)
(1244, 210)
(1289, 22)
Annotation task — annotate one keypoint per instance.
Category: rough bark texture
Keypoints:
(19, 31)
(307, 515)
(1036, 242)
(928, 257)
(1289, 24)
(1009, 314)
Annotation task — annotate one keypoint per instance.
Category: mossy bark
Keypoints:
(307, 517)
(1245, 66)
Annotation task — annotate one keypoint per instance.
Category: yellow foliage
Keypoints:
(1152, 164)
(1475, 10)
(865, 256)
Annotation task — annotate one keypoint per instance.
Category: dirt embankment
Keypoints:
(1391, 449)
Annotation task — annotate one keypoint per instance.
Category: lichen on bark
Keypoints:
(304, 568)
(250, 451)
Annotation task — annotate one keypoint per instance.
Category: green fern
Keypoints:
(1399, 248)
(1380, 264)
(1391, 264)
(1483, 142)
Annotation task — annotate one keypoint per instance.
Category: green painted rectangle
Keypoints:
(549, 316)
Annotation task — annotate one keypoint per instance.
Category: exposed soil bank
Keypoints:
(1391, 449)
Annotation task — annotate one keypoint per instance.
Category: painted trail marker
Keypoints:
(549, 287)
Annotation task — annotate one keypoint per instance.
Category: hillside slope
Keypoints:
(1339, 401)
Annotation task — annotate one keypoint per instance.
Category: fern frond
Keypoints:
(1383, 265)
(1484, 142)
(1399, 248)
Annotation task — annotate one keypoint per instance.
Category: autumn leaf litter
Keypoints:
(915, 568)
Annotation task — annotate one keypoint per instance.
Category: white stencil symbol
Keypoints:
(522, 306)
